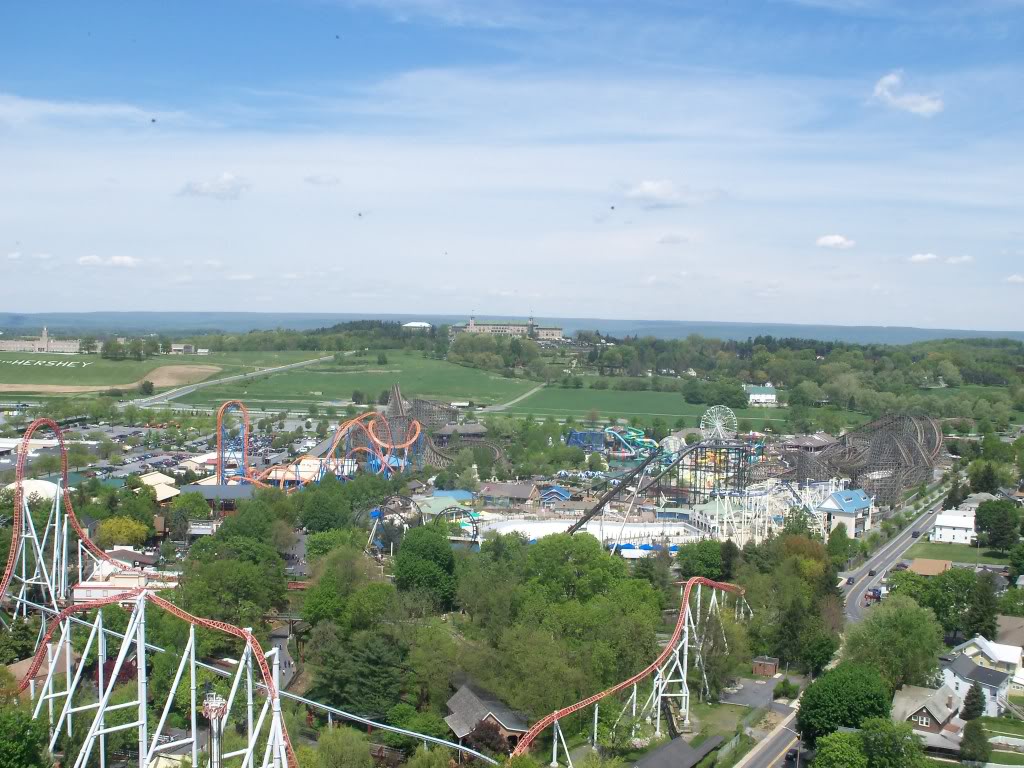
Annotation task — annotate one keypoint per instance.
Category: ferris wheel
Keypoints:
(718, 423)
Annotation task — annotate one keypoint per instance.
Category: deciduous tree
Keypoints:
(900, 639)
(845, 696)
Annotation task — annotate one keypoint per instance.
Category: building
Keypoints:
(417, 325)
(852, 507)
(815, 443)
(933, 713)
(471, 706)
(924, 566)
(527, 330)
(1000, 656)
(960, 673)
(954, 526)
(183, 349)
(975, 500)
(470, 433)
(509, 494)
(766, 666)
(43, 344)
(761, 395)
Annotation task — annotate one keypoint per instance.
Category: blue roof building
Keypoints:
(554, 494)
(851, 507)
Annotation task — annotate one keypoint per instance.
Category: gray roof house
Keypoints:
(471, 705)
(934, 714)
(960, 673)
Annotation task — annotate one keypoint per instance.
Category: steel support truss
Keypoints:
(699, 619)
(70, 703)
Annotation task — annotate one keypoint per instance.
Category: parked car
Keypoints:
(850, 580)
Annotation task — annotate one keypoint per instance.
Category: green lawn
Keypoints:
(93, 370)
(1003, 725)
(416, 375)
(1000, 757)
(716, 719)
(958, 553)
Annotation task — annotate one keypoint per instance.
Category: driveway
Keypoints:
(753, 693)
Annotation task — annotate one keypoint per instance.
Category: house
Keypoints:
(153, 479)
(954, 526)
(509, 494)
(183, 349)
(554, 494)
(471, 706)
(975, 500)
(1000, 656)
(761, 395)
(852, 507)
(959, 672)
(470, 433)
(924, 566)
(1010, 630)
(454, 496)
(766, 666)
(934, 714)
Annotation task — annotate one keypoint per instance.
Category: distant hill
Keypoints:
(241, 322)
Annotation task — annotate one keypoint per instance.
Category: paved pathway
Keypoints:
(171, 394)
(510, 403)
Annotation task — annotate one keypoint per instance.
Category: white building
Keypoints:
(960, 673)
(761, 395)
(43, 344)
(853, 508)
(954, 526)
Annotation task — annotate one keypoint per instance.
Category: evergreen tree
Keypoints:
(981, 615)
(974, 746)
(974, 703)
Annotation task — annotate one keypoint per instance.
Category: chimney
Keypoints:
(949, 701)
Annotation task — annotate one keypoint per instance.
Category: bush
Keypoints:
(786, 689)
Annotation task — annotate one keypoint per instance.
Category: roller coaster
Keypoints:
(380, 443)
(74, 644)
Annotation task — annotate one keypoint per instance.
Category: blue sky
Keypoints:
(817, 161)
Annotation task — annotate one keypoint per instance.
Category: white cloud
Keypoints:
(922, 258)
(92, 260)
(888, 91)
(965, 259)
(17, 111)
(663, 193)
(835, 241)
(1015, 279)
(322, 180)
(41, 256)
(213, 263)
(227, 186)
(240, 276)
(14, 255)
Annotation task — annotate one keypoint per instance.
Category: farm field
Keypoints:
(51, 373)
(958, 553)
(578, 403)
(418, 377)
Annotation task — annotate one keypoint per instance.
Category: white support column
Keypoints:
(140, 658)
(192, 694)
(554, 745)
(278, 725)
(99, 680)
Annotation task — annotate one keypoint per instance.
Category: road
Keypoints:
(881, 561)
(171, 394)
(771, 753)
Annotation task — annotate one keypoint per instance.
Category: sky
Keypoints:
(807, 161)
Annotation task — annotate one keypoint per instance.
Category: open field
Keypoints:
(418, 377)
(645, 406)
(55, 374)
(958, 553)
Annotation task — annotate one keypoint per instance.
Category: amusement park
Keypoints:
(655, 498)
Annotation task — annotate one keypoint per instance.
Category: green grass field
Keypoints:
(578, 403)
(417, 376)
(93, 370)
(958, 553)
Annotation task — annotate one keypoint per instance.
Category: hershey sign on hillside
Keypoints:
(49, 363)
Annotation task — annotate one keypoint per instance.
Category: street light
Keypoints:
(787, 728)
